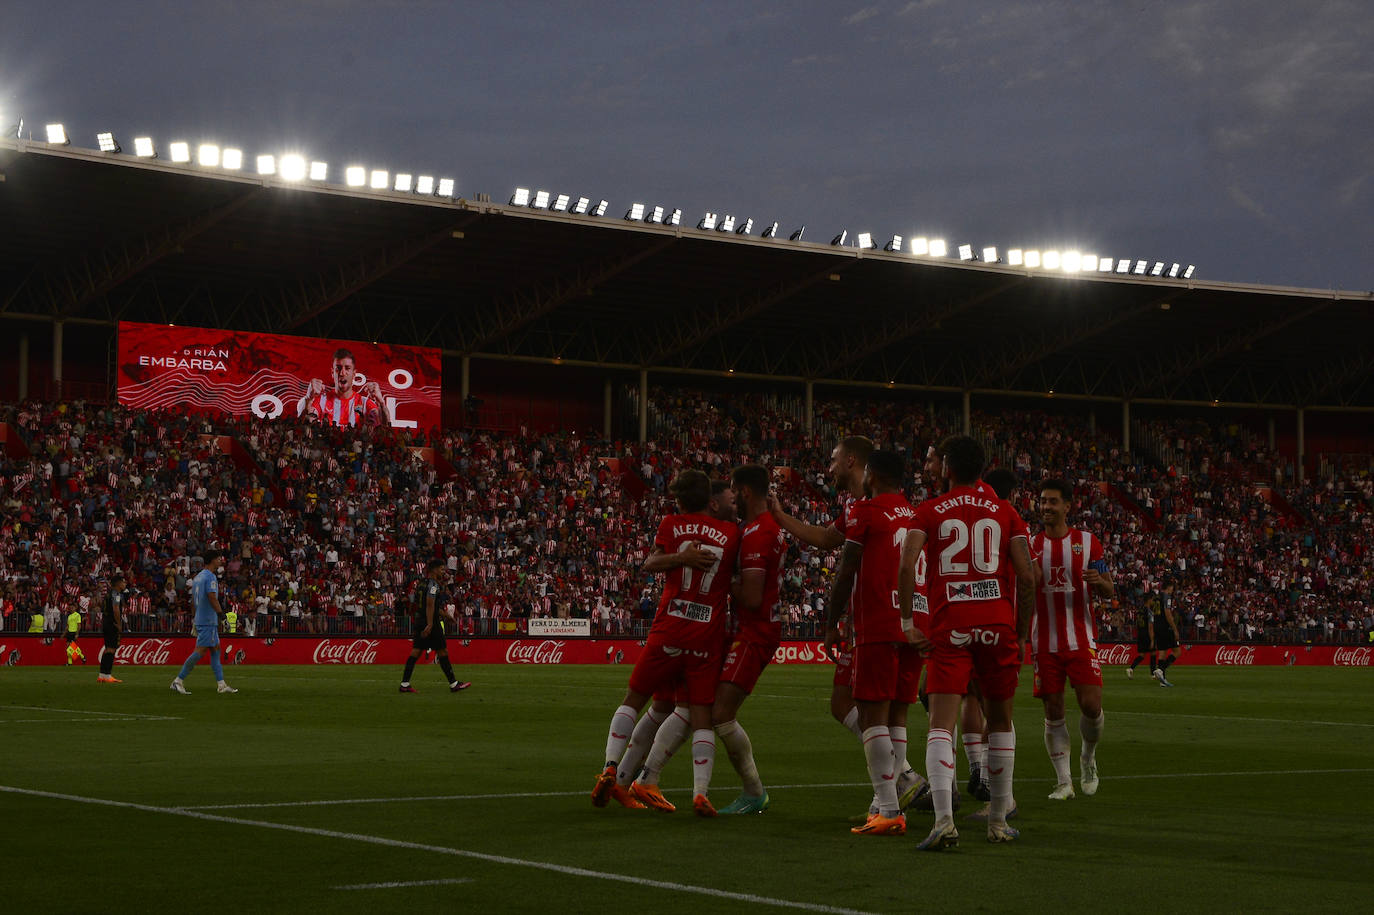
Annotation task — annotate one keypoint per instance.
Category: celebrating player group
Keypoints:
(952, 589)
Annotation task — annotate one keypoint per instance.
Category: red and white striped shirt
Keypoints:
(1063, 602)
(342, 411)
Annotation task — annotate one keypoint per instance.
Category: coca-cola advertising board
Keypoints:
(344, 382)
(27, 650)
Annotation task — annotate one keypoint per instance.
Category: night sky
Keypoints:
(1238, 136)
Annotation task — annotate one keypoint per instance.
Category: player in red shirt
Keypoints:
(697, 553)
(1063, 638)
(886, 668)
(345, 405)
(973, 540)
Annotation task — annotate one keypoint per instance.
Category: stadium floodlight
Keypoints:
(521, 197)
(57, 135)
(966, 252)
(1105, 265)
(674, 218)
(1072, 261)
(1032, 258)
(293, 167)
(403, 182)
(600, 208)
(866, 240)
(207, 155)
(990, 255)
(770, 232)
(1188, 274)
(424, 184)
(560, 203)
(1174, 269)
(1050, 259)
(1157, 269)
(445, 187)
(355, 176)
(707, 222)
(581, 206)
(1015, 257)
(893, 244)
(635, 213)
(1140, 267)
(1123, 265)
(107, 142)
(267, 165)
(231, 159)
(938, 248)
(541, 200)
(143, 146)
(840, 239)
(655, 215)
(746, 228)
(381, 180)
(727, 224)
(1088, 263)
(797, 235)
(319, 171)
(180, 151)
(920, 245)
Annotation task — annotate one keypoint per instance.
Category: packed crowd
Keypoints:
(326, 528)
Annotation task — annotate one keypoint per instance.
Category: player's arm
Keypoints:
(213, 598)
(312, 389)
(379, 414)
(429, 613)
(116, 612)
(1025, 586)
(693, 557)
(1173, 624)
(827, 537)
(912, 545)
(840, 590)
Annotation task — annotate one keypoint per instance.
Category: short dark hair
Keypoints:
(889, 466)
(1002, 480)
(433, 564)
(719, 486)
(965, 457)
(211, 554)
(692, 490)
(1060, 485)
(858, 447)
(755, 476)
(343, 353)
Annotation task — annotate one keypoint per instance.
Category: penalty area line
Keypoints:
(566, 870)
(397, 884)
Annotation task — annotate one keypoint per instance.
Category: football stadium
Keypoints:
(410, 454)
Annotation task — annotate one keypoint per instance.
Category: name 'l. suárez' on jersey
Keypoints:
(956, 501)
(901, 511)
(701, 530)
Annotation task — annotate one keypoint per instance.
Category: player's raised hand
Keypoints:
(316, 386)
(774, 506)
(374, 390)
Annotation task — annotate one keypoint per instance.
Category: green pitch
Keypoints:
(1239, 790)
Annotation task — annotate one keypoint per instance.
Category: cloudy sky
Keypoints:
(1231, 134)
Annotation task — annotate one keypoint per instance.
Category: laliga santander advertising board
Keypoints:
(165, 367)
(143, 651)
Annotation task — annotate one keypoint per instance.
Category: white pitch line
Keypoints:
(397, 884)
(444, 850)
(82, 711)
(1299, 721)
(82, 720)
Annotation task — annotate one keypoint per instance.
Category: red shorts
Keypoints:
(992, 652)
(745, 661)
(886, 672)
(844, 666)
(1080, 668)
(676, 694)
(662, 667)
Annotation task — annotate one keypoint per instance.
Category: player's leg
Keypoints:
(910, 783)
(876, 670)
(944, 715)
(842, 707)
(642, 738)
(703, 754)
(454, 684)
(178, 684)
(410, 665)
(999, 669)
(741, 672)
(973, 726)
(1057, 744)
(107, 658)
(622, 725)
(1090, 723)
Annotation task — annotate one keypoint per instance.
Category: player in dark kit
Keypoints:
(429, 627)
(112, 621)
(1144, 638)
(1166, 637)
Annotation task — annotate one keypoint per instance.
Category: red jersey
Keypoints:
(968, 548)
(1063, 618)
(879, 525)
(342, 411)
(762, 548)
(692, 612)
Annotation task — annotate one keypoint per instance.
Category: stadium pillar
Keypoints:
(1092, 422)
(968, 414)
(465, 377)
(606, 414)
(24, 366)
(1271, 432)
(57, 359)
(1302, 445)
(1126, 426)
(643, 406)
(810, 409)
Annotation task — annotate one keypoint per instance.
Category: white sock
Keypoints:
(622, 724)
(878, 753)
(1057, 743)
(671, 735)
(1090, 729)
(851, 721)
(741, 753)
(973, 751)
(1001, 760)
(641, 739)
(703, 760)
(898, 736)
(940, 771)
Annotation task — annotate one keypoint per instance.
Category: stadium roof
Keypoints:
(102, 237)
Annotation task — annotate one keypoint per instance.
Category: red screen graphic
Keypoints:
(165, 367)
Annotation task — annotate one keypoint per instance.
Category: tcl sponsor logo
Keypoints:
(545, 652)
(358, 651)
(1236, 655)
(798, 653)
(1353, 657)
(1115, 654)
(974, 636)
(144, 651)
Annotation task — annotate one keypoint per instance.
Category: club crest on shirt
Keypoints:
(1077, 549)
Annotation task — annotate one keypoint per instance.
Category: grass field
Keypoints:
(1243, 789)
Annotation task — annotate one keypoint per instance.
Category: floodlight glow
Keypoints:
(1140, 267)
(1050, 259)
(866, 240)
(106, 142)
(1123, 265)
(674, 218)
(180, 151)
(635, 213)
(600, 208)
(560, 205)
(966, 252)
(541, 200)
(1157, 269)
(1072, 261)
(1173, 270)
(1015, 257)
(445, 187)
(727, 224)
(57, 134)
(381, 179)
(267, 165)
(920, 245)
(655, 216)
(1188, 274)
(746, 228)
(938, 248)
(424, 184)
(990, 255)
(403, 183)
(232, 159)
(355, 176)
(1104, 265)
(293, 167)
(840, 239)
(207, 155)
(319, 171)
(581, 206)
(521, 197)
(143, 146)
(1089, 263)
(1032, 258)
(893, 244)
(707, 222)
(769, 232)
